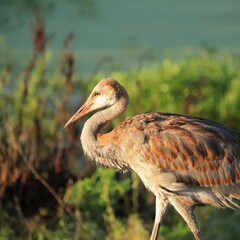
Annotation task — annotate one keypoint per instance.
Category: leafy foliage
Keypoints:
(106, 204)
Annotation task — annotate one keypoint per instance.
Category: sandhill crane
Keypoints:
(184, 161)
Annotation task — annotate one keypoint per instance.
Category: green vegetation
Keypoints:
(47, 188)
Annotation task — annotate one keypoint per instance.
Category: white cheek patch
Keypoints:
(102, 101)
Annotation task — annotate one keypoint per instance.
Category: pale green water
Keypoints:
(127, 29)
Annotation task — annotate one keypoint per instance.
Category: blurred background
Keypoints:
(173, 56)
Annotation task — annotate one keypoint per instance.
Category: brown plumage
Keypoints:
(184, 161)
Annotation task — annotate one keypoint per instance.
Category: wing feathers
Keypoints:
(200, 153)
(194, 149)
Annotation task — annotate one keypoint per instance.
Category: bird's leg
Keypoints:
(189, 216)
(161, 207)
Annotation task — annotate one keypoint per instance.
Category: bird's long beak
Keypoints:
(83, 110)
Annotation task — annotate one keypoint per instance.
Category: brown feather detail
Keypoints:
(108, 138)
(194, 149)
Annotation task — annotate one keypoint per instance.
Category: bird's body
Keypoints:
(184, 161)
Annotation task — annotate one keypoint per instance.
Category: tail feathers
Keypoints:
(229, 202)
(228, 196)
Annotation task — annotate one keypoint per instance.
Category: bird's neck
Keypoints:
(92, 148)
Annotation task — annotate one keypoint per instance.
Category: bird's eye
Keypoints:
(97, 93)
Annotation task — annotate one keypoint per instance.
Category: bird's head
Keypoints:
(105, 94)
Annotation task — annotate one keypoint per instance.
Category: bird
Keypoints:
(184, 161)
